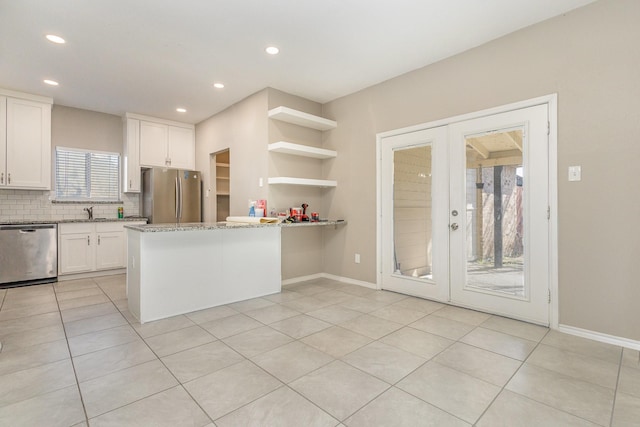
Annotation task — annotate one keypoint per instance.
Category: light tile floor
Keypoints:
(319, 353)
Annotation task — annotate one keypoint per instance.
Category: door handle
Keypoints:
(2, 178)
(98, 240)
(88, 240)
(177, 199)
(9, 178)
(454, 226)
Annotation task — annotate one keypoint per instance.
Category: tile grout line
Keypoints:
(180, 384)
(73, 365)
(615, 392)
(503, 388)
(530, 398)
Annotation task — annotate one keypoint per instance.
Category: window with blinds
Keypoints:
(87, 175)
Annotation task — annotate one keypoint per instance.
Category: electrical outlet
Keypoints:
(260, 182)
(357, 259)
(575, 173)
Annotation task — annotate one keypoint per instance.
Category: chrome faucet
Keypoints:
(89, 211)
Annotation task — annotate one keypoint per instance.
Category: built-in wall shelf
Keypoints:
(289, 115)
(222, 165)
(302, 181)
(301, 150)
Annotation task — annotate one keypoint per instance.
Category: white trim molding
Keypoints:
(552, 101)
(330, 277)
(599, 336)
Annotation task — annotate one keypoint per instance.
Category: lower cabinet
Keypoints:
(86, 247)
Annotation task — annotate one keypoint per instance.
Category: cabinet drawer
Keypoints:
(75, 228)
(107, 227)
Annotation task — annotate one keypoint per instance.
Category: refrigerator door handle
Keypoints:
(177, 200)
(181, 197)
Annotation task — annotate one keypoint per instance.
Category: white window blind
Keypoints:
(87, 175)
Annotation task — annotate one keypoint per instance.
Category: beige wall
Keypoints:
(88, 130)
(590, 58)
(241, 128)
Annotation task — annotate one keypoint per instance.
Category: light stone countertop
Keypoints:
(196, 226)
(65, 221)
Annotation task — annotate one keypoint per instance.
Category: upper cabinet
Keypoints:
(25, 141)
(131, 153)
(165, 143)
(181, 148)
(152, 142)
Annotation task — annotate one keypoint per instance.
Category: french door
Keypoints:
(465, 213)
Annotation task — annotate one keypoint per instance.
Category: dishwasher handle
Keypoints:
(27, 228)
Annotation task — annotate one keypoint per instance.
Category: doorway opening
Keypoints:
(465, 208)
(220, 177)
(495, 212)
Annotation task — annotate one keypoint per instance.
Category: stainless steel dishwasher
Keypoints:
(28, 254)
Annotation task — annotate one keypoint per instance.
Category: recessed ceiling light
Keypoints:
(51, 82)
(272, 50)
(218, 85)
(181, 110)
(55, 39)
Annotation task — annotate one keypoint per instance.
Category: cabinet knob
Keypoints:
(9, 178)
(88, 240)
(2, 178)
(98, 240)
(129, 183)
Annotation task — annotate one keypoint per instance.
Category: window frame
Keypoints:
(56, 195)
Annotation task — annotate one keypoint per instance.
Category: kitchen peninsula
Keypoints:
(174, 269)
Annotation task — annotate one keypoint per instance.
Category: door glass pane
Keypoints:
(412, 212)
(495, 217)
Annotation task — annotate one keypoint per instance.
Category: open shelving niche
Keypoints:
(223, 179)
(301, 118)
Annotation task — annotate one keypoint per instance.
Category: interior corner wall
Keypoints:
(245, 129)
(302, 253)
(241, 128)
(590, 59)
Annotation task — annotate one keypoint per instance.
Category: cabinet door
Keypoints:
(77, 253)
(28, 144)
(110, 250)
(131, 151)
(181, 148)
(154, 140)
(3, 141)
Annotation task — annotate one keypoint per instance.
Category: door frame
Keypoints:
(552, 102)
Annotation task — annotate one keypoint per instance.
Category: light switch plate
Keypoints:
(575, 173)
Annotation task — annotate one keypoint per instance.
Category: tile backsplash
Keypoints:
(37, 206)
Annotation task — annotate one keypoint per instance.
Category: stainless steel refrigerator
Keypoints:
(171, 196)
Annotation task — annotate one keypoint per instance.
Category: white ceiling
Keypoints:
(151, 56)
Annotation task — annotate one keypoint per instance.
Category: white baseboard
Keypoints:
(301, 279)
(331, 277)
(91, 274)
(350, 281)
(598, 336)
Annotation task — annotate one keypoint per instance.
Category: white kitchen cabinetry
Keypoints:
(154, 143)
(87, 247)
(167, 144)
(181, 149)
(301, 118)
(131, 179)
(25, 141)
